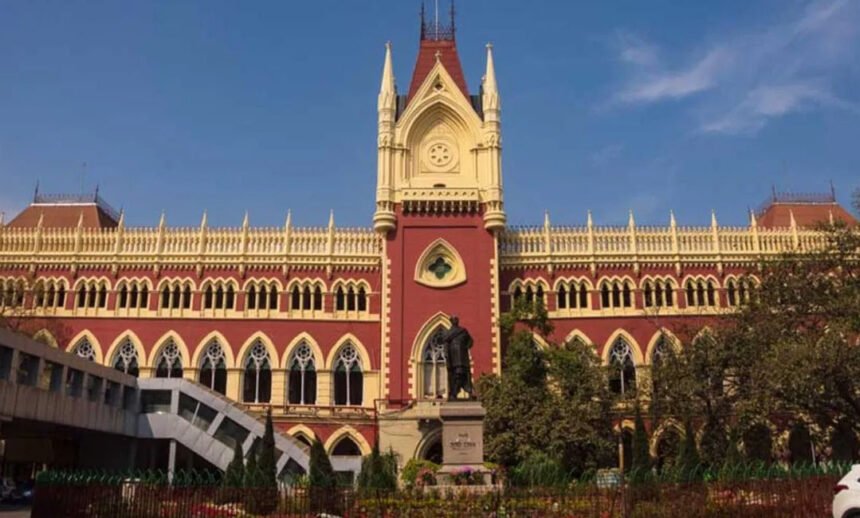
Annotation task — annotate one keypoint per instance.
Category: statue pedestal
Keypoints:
(462, 441)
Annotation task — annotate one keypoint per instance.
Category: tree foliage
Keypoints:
(378, 471)
(641, 454)
(235, 474)
(321, 474)
(554, 402)
(266, 462)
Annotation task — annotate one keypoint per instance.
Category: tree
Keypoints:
(235, 474)
(252, 469)
(553, 402)
(688, 459)
(321, 474)
(378, 471)
(267, 461)
(641, 455)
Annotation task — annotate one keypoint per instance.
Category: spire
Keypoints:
(490, 87)
(2, 218)
(36, 193)
(753, 222)
(436, 36)
(714, 218)
(672, 222)
(589, 221)
(546, 223)
(121, 222)
(387, 89)
(630, 221)
(203, 221)
(162, 222)
(331, 219)
(289, 222)
(246, 221)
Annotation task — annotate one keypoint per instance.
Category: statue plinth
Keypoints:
(462, 440)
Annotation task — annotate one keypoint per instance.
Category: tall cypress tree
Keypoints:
(252, 470)
(266, 461)
(235, 474)
(641, 458)
(688, 460)
(321, 473)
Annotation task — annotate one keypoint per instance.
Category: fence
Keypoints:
(765, 493)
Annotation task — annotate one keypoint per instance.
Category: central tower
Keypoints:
(439, 206)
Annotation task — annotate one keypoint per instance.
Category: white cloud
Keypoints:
(747, 79)
(701, 76)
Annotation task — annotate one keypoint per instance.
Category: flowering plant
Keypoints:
(425, 477)
(467, 477)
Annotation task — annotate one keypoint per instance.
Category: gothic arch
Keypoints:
(262, 281)
(669, 424)
(91, 338)
(670, 337)
(180, 344)
(634, 346)
(303, 430)
(359, 347)
(319, 357)
(46, 337)
(266, 341)
(440, 248)
(423, 335)
(352, 433)
(576, 333)
(424, 112)
(135, 341)
(426, 442)
(97, 281)
(225, 345)
(540, 341)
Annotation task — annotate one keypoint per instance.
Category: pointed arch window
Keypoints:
(348, 378)
(562, 297)
(346, 447)
(213, 368)
(257, 379)
(434, 371)
(126, 358)
(295, 298)
(622, 372)
(658, 357)
(340, 299)
(252, 297)
(362, 299)
(302, 383)
(169, 363)
(264, 297)
(85, 350)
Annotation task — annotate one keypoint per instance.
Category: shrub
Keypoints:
(539, 470)
(419, 472)
(378, 472)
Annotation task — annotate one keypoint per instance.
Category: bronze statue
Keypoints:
(457, 344)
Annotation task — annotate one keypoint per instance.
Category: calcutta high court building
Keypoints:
(336, 330)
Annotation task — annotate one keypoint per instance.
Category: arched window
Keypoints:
(251, 297)
(350, 299)
(306, 298)
(731, 293)
(123, 296)
(583, 296)
(85, 350)
(169, 363)
(348, 378)
(622, 372)
(658, 356)
(626, 295)
(126, 358)
(229, 299)
(257, 382)
(103, 296)
(362, 299)
(604, 296)
(302, 383)
(647, 294)
(213, 368)
(165, 297)
(562, 297)
(318, 298)
(346, 447)
(186, 297)
(208, 297)
(434, 373)
(518, 293)
(264, 297)
(273, 297)
(295, 298)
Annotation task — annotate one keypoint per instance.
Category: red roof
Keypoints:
(779, 214)
(447, 49)
(63, 216)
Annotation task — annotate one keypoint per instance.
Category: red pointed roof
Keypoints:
(64, 211)
(808, 211)
(447, 49)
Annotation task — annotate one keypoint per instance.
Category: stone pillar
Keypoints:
(462, 439)
(325, 396)
(279, 391)
(234, 384)
(171, 461)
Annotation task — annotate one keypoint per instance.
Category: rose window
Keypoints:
(440, 155)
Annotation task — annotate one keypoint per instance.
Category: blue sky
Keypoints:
(263, 106)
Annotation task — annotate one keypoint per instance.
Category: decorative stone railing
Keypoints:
(554, 246)
(286, 247)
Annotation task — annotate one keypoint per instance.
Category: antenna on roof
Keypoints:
(453, 31)
(773, 192)
(437, 19)
(832, 191)
(422, 20)
(36, 192)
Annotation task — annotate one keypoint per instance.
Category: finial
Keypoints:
(245, 222)
(672, 222)
(791, 219)
(331, 219)
(546, 219)
(289, 222)
(163, 220)
(204, 220)
(438, 55)
(753, 222)
(422, 20)
(630, 221)
(589, 221)
(2, 218)
(121, 222)
(713, 218)
(453, 24)
(36, 192)
(832, 192)
(773, 192)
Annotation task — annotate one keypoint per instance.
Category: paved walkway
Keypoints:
(9, 511)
